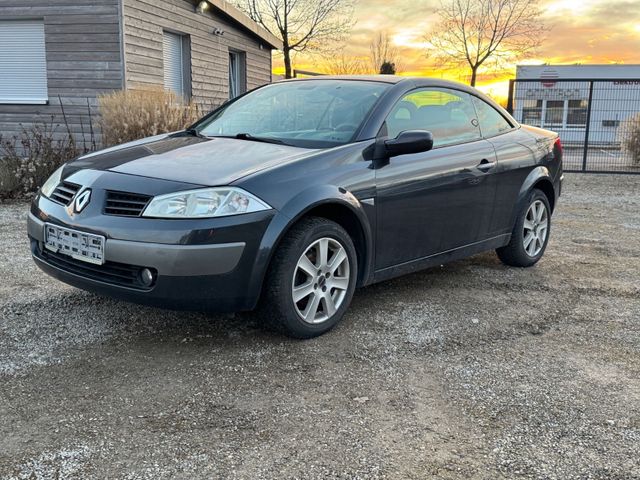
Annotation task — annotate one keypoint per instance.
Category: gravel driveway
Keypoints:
(471, 370)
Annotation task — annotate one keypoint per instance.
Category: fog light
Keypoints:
(147, 277)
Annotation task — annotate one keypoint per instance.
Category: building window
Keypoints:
(237, 77)
(554, 113)
(532, 112)
(577, 113)
(176, 58)
(611, 123)
(23, 62)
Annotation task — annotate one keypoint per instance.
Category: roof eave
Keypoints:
(247, 23)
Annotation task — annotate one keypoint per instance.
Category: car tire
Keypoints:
(291, 291)
(530, 235)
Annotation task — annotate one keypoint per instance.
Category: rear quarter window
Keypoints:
(492, 122)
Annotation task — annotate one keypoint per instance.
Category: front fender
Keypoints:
(293, 211)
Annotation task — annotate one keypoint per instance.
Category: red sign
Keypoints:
(548, 78)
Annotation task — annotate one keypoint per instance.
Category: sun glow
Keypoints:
(573, 7)
(581, 31)
(410, 38)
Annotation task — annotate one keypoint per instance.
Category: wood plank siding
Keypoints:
(97, 46)
(144, 23)
(83, 55)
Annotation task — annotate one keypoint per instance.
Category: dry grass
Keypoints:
(629, 136)
(29, 157)
(134, 114)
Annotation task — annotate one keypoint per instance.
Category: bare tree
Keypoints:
(301, 24)
(476, 32)
(344, 64)
(383, 51)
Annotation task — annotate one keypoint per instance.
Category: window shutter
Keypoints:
(173, 63)
(23, 62)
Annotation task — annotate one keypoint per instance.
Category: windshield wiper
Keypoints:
(248, 136)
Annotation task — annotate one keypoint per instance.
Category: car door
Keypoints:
(439, 200)
(515, 159)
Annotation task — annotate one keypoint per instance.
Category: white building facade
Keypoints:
(557, 97)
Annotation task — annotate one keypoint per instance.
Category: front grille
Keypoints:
(119, 274)
(125, 204)
(64, 193)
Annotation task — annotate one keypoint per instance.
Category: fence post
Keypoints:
(510, 97)
(586, 131)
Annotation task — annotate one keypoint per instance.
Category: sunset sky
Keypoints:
(581, 31)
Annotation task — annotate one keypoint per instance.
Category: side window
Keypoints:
(448, 114)
(492, 123)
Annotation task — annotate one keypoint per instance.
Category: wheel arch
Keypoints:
(546, 186)
(349, 220)
(539, 178)
(330, 202)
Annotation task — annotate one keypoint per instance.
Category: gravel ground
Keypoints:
(470, 370)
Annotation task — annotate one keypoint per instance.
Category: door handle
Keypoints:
(485, 165)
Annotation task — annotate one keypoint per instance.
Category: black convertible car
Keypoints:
(292, 195)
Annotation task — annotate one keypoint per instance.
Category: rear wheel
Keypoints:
(311, 279)
(530, 234)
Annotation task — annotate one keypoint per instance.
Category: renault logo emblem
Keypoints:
(81, 201)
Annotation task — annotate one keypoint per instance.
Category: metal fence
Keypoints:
(598, 119)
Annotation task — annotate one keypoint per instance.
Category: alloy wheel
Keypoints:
(536, 227)
(320, 280)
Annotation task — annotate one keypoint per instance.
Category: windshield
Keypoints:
(309, 114)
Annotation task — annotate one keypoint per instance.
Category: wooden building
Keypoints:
(61, 54)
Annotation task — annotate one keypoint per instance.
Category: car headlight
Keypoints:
(204, 203)
(52, 182)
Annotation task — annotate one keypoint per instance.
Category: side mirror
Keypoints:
(409, 141)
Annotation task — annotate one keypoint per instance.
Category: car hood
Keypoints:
(189, 159)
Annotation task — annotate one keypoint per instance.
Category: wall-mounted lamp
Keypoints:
(218, 31)
(202, 7)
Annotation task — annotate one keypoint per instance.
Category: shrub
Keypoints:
(388, 68)
(133, 114)
(629, 137)
(28, 158)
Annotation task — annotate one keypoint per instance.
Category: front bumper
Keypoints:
(191, 275)
(166, 260)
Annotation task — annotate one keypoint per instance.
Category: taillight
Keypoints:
(558, 145)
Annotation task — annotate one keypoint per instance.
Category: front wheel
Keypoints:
(530, 234)
(311, 279)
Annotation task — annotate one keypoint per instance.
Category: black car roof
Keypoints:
(391, 79)
(367, 78)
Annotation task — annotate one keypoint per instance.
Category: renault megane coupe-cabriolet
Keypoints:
(289, 197)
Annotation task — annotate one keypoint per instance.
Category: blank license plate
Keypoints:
(79, 245)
